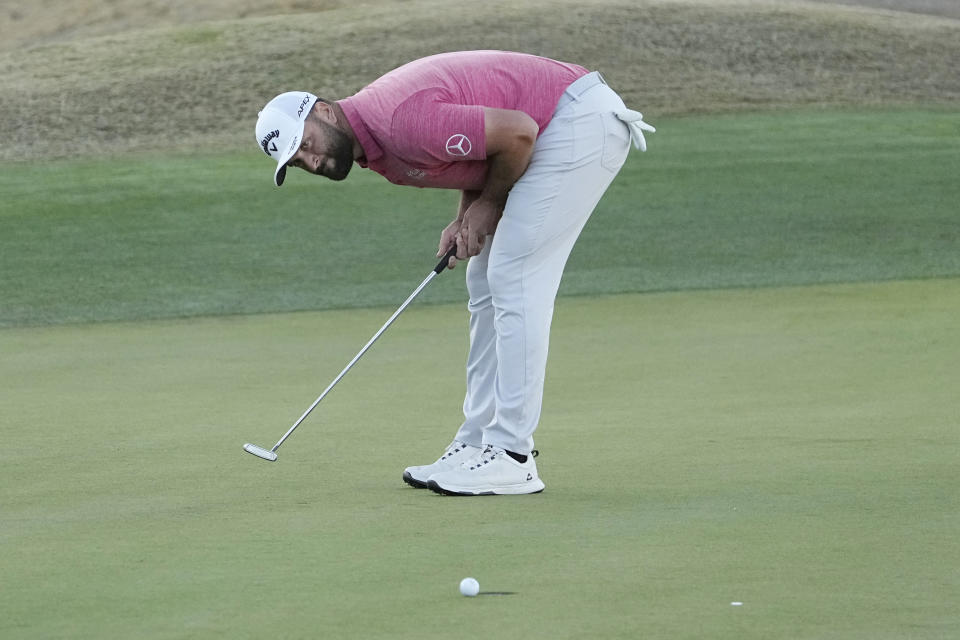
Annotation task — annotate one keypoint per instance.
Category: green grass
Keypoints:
(793, 449)
(790, 447)
(759, 200)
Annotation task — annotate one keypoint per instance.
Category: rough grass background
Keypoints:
(41, 22)
(157, 79)
(948, 8)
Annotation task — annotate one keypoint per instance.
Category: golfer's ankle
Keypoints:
(516, 456)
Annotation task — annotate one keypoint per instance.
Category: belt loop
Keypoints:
(579, 87)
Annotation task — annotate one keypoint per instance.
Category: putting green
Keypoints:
(793, 449)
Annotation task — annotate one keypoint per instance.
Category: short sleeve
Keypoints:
(428, 128)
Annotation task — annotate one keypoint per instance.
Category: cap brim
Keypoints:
(281, 172)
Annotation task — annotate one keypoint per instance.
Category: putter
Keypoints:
(271, 454)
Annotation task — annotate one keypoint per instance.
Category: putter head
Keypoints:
(260, 452)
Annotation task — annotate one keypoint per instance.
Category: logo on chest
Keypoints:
(416, 174)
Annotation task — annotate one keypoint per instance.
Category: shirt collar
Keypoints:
(371, 150)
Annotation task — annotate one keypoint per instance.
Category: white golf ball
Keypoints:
(469, 587)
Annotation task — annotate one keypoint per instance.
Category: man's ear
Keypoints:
(324, 111)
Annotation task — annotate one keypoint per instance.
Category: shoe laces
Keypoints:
(455, 447)
(488, 455)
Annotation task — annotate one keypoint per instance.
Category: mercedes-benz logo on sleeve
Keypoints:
(458, 145)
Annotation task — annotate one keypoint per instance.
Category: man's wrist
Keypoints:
(496, 198)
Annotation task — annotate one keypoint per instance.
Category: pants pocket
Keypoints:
(616, 142)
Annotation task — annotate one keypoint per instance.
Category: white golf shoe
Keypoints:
(456, 453)
(490, 472)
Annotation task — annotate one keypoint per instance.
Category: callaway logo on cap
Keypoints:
(280, 128)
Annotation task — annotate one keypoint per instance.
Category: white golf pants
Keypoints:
(513, 282)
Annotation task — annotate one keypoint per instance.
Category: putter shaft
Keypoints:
(433, 274)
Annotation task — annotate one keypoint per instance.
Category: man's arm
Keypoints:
(510, 137)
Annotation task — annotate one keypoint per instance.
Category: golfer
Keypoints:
(531, 144)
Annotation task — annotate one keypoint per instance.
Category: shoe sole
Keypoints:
(413, 482)
(504, 491)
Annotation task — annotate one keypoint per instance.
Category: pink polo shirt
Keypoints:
(422, 124)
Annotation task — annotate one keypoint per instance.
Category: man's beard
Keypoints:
(340, 154)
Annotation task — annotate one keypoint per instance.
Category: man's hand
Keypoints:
(479, 221)
(448, 237)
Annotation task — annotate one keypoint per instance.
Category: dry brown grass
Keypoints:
(39, 22)
(200, 85)
(27, 24)
(946, 8)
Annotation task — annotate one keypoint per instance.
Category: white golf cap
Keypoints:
(280, 128)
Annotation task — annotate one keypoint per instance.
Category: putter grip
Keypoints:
(443, 262)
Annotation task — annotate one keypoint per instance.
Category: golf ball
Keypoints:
(469, 587)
